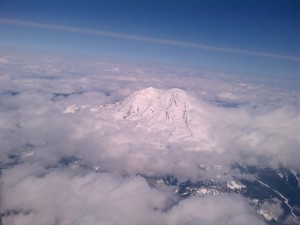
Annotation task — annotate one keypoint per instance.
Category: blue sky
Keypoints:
(271, 27)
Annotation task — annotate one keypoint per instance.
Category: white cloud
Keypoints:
(64, 198)
(264, 124)
(227, 96)
(96, 198)
(213, 210)
(36, 135)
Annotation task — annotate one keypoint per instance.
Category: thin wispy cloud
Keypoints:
(149, 39)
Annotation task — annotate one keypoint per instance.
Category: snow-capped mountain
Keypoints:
(151, 108)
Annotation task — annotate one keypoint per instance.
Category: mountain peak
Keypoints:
(151, 108)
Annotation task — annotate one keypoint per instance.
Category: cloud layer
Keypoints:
(240, 119)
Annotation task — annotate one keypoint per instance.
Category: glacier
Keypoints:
(154, 109)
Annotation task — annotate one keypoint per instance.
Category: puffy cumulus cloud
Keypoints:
(94, 198)
(273, 208)
(236, 116)
(251, 120)
(213, 210)
(61, 197)
(236, 120)
(271, 134)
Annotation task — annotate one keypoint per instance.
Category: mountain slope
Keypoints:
(151, 108)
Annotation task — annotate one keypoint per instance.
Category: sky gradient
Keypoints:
(259, 37)
(149, 112)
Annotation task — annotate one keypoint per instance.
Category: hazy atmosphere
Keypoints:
(149, 112)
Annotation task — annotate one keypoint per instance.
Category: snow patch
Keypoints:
(206, 191)
(267, 215)
(235, 185)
